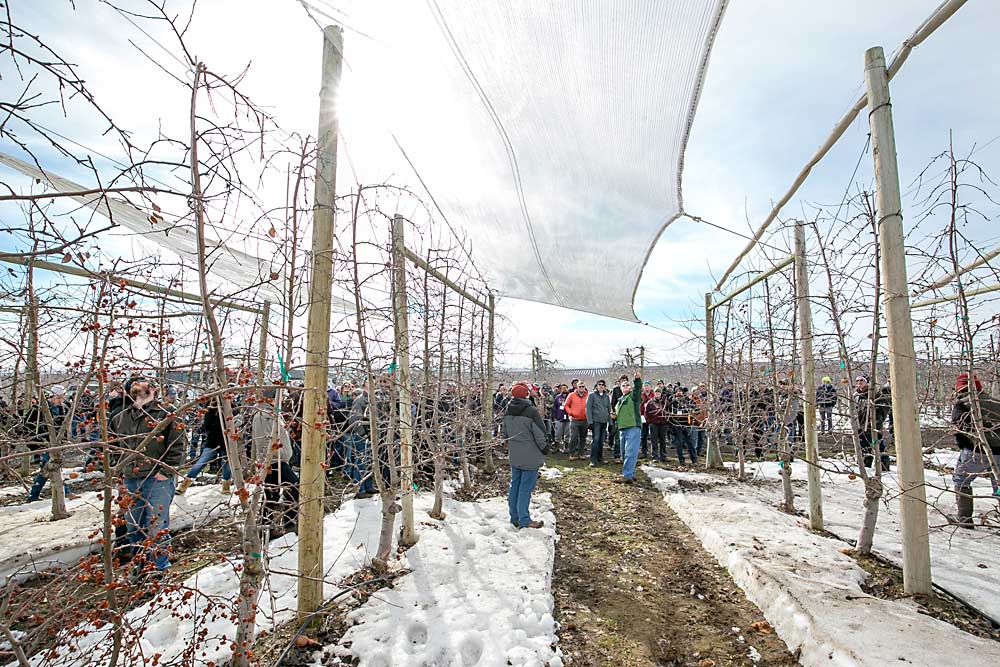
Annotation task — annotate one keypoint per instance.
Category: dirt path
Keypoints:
(633, 586)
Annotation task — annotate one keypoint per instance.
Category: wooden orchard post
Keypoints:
(902, 366)
(713, 458)
(311, 485)
(265, 315)
(808, 378)
(401, 325)
(31, 376)
(488, 389)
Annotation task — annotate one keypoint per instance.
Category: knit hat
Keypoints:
(58, 390)
(826, 378)
(519, 390)
(962, 382)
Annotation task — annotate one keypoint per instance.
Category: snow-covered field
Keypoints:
(30, 542)
(479, 593)
(811, 592)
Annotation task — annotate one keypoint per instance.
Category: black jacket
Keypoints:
(961, 418)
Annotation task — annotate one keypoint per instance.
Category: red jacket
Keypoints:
(657, 412)
(647, 396)
(576, 406)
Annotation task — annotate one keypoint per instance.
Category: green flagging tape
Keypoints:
(281, 366)
(392, 368)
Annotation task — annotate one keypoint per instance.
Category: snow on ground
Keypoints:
(811, 592)
(479, 589)
(479, 594)
(194, 623)
(956, 554)
(552, 473)
(30, 542)
(77, 479)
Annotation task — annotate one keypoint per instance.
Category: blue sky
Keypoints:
(781, 74)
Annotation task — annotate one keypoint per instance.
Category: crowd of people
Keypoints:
(150, 443)
(638, 419)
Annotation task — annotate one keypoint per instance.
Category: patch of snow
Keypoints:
(946, 458)
(671, 478)
(195, 623)
(551, 473)
(811, 592)
(479, 594)
(956, 554)
(30, 542)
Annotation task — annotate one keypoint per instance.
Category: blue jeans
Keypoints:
(207, 456)
(597, 445)
(684, 440)
(522, 483)
(357, 466)
(147, 521)
(630, 447)
(39, 482)
(700, 438)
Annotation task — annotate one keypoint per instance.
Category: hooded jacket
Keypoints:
(525, 433)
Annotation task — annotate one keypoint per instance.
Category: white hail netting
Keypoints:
(236, 269)
(553, 132)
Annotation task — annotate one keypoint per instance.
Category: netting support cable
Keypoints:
(941, 14)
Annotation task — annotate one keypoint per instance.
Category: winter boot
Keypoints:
(184, 485)
(868, 460)
(964, 503)
(227, 487)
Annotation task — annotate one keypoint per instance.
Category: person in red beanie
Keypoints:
(524, 431)
(973, 459)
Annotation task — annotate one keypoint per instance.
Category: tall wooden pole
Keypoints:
(488, 389)
(31, 377)
(401, 321)
(713, 458)
(310, 583)
(265, 316)
(808, 378)
(902, 366)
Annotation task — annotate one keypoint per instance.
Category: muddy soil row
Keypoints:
(633, 586)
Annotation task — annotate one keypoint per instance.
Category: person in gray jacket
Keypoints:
(270, 452)
(598, 416)
(525, 434)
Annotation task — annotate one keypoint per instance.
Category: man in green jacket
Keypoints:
(629, 426)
